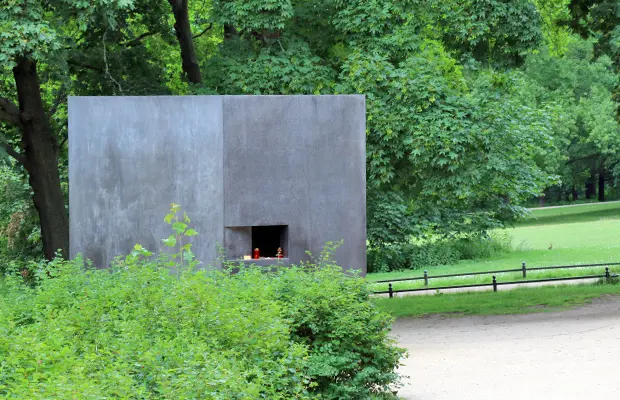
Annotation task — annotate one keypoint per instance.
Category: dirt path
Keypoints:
(560, 355)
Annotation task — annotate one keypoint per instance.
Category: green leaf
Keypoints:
(171, 241)
(179, 227)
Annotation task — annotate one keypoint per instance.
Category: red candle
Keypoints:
(256, 253)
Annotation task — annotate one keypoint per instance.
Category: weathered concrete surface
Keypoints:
(230, 161)
(568, 355)
(298, 161)
(130, 158)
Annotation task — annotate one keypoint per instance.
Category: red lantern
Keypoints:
(256, 253)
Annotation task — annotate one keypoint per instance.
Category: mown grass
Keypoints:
(534, 258)
(593, 239)
(593, 236)
(515, 301)
(501, 277)
(572, 214)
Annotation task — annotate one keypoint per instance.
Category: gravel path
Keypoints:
(553, 355)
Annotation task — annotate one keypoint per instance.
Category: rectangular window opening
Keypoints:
(268, 239)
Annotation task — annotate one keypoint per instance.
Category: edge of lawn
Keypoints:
(504, 302)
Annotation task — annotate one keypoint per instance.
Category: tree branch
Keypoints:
(64, 140)
(136, 41)
(20, 158)
(612, 165)
(588, 157)
(208, 28)
(105, 62)
(60, 95)
(175, 4)
(10, 151)
(83, 65)
(9, 113)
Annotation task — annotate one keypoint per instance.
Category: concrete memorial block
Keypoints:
(263, 172)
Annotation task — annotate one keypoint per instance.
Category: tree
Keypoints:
(35, 34)
(496, 32)
(599, 20)
(579, 88)
(446, 153)
(448, 110)
(183, 29)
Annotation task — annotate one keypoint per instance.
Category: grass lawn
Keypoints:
(503, 277)
(571, 214)
(582, 234)
(516, 301)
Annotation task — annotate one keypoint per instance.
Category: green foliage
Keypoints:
(88, 334)
(458, 153)
(139, 331)
(20, 235)
(443, 148)
(254, 16)
(553, 13)
(398, 257)
(458, 135)
(578, 89)
(599, 19)
(183, 257)
(270, 71)
(33, 28)
(350, 353)
(430, 253)
(491, 31)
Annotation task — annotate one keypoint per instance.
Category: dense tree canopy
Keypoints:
(473, 107)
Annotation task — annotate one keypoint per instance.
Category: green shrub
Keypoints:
(403, 256)
(152, 328)
(394, 257)
(482, 245)
(20, 234)
(350, 353)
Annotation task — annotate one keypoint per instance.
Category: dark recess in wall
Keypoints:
(269, 238)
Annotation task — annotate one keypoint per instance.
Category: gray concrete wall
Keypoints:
(298, 161)
(230, 161)
(130, 158)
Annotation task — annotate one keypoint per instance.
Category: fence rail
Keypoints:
(494, 283)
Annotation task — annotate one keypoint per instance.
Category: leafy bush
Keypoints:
(482, 245)
(152, 328)
(20, 234)
(350, 353)
(403, 256)
(394, 257)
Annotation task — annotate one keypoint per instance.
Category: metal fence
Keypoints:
(494, 283)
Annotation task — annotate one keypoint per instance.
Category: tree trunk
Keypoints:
(183, 31)
(575, 194)
(591, 185)
(229, 32)
(41, 160)
(601, 185)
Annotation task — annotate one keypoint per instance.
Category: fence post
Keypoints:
(523, 269)
(494, 284)
(390, 291)
(607, 274)
(425, 277)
